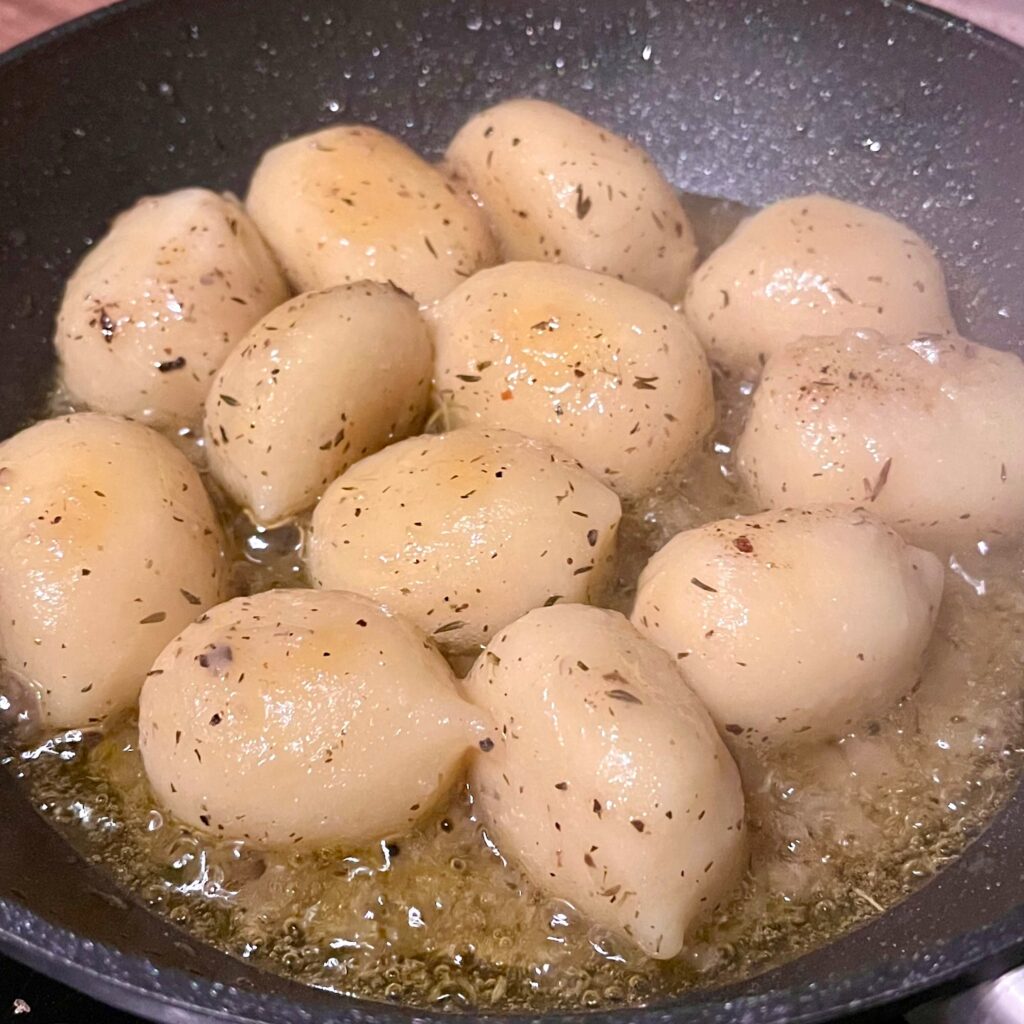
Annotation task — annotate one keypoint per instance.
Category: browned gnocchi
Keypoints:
(609, 373)
(110, 547)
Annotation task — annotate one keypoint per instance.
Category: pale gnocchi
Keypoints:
(927, 433)
(605, 778)
(320, 382)
(466, 531)
(794, 624)
(559, 188)
(157, 304)
(296, 717)
(813, 265)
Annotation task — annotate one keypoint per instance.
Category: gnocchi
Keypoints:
(111, 546)
(605, 778)
(928, 434)
(611, 374)
(299, 399)
(559, 188)
(795, 624)
(156, 305)
(813, 265)
(351, 202)
(466, 531)
(296, 718)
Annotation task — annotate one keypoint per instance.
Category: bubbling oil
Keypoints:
(439, 919)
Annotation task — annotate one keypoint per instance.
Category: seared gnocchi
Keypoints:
(466, 531)
(559, 188)
(156, 305)
(604, 778)
(110, 547)
(792, 625)
(350, 202)
(300, 398)
(609, 373)
(296, 717)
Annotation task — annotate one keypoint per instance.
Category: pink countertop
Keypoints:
(20, 19)
(1005, 17)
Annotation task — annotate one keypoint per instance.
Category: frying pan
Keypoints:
(887, 104)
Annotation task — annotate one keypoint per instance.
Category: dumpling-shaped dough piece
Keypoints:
(350, 202)
(317, 384)
(559, 188)
(297, 717)
(814, 265)
(109, 547)
(928, 434)
(464, 532)
(794, 623)
(606, 780)
(157, 304)
(610, 374)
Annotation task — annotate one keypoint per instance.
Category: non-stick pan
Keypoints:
(887, 104)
